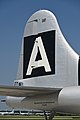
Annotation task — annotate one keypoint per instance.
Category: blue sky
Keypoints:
(13, 17)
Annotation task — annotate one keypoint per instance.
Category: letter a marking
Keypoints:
(38, 45)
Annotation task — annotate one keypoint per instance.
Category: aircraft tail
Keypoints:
(46, 59)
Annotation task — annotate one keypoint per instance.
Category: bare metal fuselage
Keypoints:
(64, 101)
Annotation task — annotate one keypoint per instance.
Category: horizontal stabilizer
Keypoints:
(25, 91)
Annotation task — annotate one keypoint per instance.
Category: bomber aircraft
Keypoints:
(48, 75)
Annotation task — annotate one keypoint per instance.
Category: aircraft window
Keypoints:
(20, 84)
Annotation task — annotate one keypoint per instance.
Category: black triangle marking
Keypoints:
(38, 57)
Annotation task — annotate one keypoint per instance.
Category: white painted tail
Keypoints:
(46, 59)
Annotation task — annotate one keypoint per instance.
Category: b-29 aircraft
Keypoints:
(48, 75)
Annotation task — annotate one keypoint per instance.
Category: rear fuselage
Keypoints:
(47, 60)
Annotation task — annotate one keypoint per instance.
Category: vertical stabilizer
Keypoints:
(46, 58)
